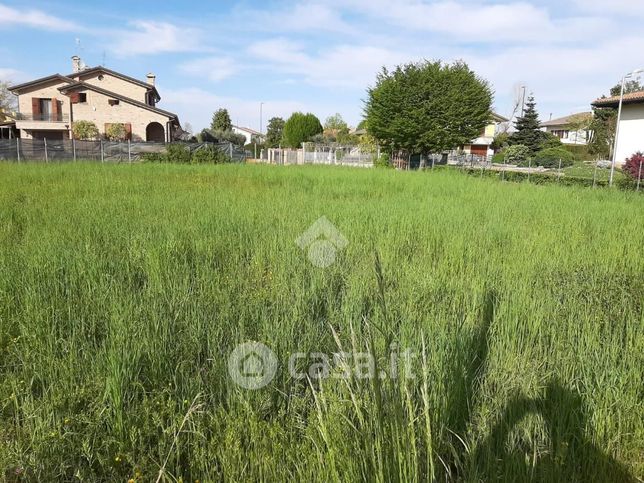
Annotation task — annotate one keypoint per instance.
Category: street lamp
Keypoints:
(619, 115)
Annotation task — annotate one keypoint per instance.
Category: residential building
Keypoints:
(631, 123)
(249, 134)
(481, 146)
(570, 129)
(50, 105)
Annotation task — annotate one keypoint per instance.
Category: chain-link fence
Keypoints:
(45, 150)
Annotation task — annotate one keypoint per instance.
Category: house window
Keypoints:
(45, 109)
(82, 97)
(113, 102)
(100, 77)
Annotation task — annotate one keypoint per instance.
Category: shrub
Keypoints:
(579, 151)
(550, 157)
(84, 130)
(550, 141)
(116, 132)
(154, 158)
(500, 141)
(209, 155)
(178, 153)
(634, 166)
(516, 154)
(382, 161)
(499, 158)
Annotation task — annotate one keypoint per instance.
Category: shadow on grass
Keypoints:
(570, 455)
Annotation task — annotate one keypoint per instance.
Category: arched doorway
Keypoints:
(155, 133)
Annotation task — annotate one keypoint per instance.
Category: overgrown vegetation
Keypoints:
(84, 130)
(181, 154)
(123, 289)
(116, 132)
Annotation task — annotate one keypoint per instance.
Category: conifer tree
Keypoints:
(527, 127)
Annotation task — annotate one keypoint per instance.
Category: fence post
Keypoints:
(639, 175)
(595, 174)
(18, 148)
(46, 156)
(102, 155)
(529, 168)
(559, 171)
(230, 150)
(129, 152)
(74, 148)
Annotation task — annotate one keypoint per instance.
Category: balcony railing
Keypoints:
(58, 117)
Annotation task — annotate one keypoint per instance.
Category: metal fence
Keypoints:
(46, 150)
(320, 154)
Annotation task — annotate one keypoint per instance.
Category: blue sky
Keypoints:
(320, 56)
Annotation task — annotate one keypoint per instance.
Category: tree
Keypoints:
(116, 132)
(528, 128)
(221, 121)
(629, 87)
(300, 128)
(335, 123)
(427, 107)
(84, 130)
(602, 129)
(8, 102)
(274, 132)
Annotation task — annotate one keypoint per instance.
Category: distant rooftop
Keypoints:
(632, 98)
(564, 121)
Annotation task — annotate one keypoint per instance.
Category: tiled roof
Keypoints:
(85, 85)
(632, 98)
(564, 121)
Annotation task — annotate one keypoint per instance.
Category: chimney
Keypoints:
(151, 78)
(76, 64)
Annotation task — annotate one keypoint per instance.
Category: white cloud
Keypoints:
(34, 18)
(612, 7)
(311, 18)
(215, 69)
(339, 66)
(150, 37)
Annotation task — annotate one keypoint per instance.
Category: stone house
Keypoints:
(48, 107)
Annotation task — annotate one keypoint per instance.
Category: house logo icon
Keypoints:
(252, 365)
(321, 242)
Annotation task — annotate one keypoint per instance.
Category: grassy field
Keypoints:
(123, 290)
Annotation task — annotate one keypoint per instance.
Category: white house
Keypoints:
(631, 124)
(567, 128)
(249, 134)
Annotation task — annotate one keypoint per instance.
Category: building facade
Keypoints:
(631, 124)
(482, 146)
(48, 107)
(571, 129)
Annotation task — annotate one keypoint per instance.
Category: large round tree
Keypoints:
(300, 128)
(428, 107)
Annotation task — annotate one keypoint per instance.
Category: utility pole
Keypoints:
(523, 101)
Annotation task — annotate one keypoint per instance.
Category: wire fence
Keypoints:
(45, 150)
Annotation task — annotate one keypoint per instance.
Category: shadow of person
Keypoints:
(570, 456)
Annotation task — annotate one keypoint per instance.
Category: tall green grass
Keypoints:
(123, 289)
